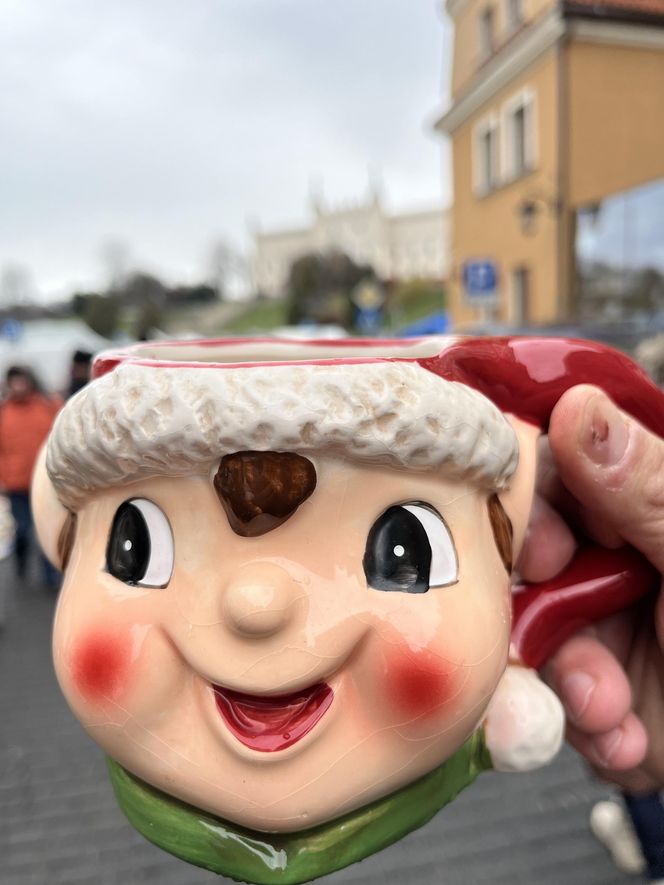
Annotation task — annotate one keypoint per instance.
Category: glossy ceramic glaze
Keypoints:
(290, 858)
(596, 584)
(288, 595)
(278, 622)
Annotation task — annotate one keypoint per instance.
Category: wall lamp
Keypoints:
(531, 207)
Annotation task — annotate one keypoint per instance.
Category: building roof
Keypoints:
(624, 10)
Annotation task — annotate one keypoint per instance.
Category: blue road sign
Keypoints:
(11, 329)
(480, 279)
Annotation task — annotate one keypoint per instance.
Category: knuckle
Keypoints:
(640, 473)
(638, 509)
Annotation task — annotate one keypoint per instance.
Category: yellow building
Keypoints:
(557, 110)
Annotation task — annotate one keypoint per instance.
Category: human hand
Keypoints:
(602, 477)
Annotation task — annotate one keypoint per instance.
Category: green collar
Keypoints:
(289, 858)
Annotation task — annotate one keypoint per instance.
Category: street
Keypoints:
(60, 824)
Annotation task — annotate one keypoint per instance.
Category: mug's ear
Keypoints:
(49, 514)
(518, 499)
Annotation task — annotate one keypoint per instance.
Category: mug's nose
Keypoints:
(260, 599)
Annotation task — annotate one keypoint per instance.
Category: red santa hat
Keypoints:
(176, 409)
(419, 404)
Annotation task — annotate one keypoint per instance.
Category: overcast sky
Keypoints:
(169, 125)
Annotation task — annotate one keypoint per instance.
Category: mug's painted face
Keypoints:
(282, 680)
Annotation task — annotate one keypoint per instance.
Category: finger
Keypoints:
(659, 620)
(595, 526)
(548, 546)
(581, 520)
(614, 466)
(618, 632)
(549, 485)
(591, 684)
(620, 749)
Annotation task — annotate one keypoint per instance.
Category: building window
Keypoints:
(487, 30)
(488, 152)
(619, 257)
(519, 131)
(486, 157)
(514, 14)
(519, 140)
(519, 311)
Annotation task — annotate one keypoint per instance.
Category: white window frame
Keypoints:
(526, 100)
(482, 187)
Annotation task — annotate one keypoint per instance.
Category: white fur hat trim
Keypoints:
(142, 420)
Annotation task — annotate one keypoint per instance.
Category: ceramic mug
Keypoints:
(287, 613)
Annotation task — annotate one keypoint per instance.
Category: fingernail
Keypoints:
(604, 432)
(606, 746)
(576, 690)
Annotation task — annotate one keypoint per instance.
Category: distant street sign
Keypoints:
(480, 280)
(11, 329)
(369, 321)
(368, 297)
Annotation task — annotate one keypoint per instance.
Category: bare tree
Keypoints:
(227, 268)
(116, 258)
(16, 286)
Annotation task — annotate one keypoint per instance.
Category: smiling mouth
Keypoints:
(272, 723)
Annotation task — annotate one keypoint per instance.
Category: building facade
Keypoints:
(557, 109)
(398, 247)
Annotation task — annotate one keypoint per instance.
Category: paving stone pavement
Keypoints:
(59, 824)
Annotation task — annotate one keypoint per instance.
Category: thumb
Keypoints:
(613, 466)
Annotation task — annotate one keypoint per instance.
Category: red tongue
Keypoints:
(272, 723)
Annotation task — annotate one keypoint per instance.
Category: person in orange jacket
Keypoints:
(26, 416)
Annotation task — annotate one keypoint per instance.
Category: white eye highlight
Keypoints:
(140, 545)
(444, 568)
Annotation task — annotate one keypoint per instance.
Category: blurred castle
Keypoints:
(557, 131)
(398, 247)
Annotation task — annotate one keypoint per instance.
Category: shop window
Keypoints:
(619, 257)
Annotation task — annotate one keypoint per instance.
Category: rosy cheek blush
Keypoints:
(100, 665)
(421, 683)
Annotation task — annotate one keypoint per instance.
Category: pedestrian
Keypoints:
(647, 814)
(633, 832)
(26, 416)
(79, 372)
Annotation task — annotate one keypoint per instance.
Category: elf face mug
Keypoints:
(287, 614)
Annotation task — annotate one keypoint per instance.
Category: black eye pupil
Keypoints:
(398, 553)
(128, 550)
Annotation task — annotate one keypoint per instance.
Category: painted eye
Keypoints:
(409, 548)
(140, 545)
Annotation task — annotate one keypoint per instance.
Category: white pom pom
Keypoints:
(525, 722)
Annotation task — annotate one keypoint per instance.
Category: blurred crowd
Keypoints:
(27, 412)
